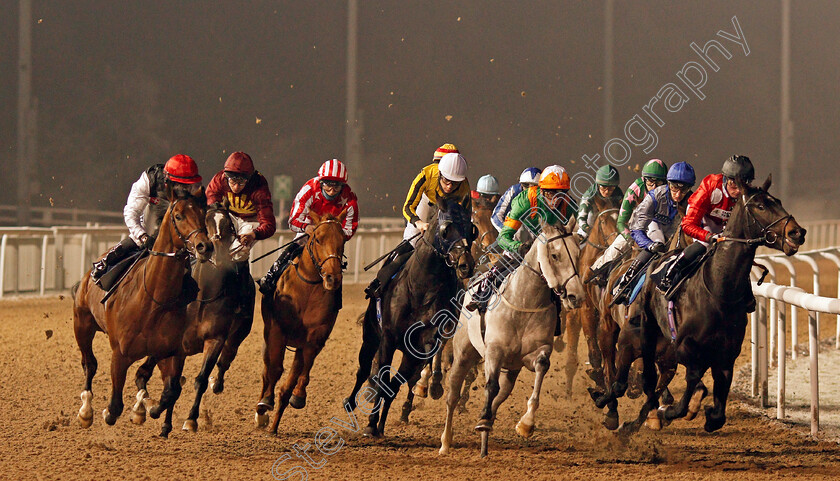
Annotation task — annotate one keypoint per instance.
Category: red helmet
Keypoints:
(333, 170)
(239, 163)
(182, 169)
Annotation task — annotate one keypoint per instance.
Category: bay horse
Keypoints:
(301, 314)
(146, 315)
(617, 337)
(482, 211)
(520, 323)
(586, 316)
(416, 311)
(219, 319)
(710, 308)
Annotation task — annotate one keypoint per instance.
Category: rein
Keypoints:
(601, 230)
(766, 236)
(561, 289)
(319, 266)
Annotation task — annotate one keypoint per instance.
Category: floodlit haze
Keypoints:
(122, 85)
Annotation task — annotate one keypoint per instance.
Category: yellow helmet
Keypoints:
(443, 150)
(554, 177)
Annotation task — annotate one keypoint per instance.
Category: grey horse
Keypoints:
(520, 322)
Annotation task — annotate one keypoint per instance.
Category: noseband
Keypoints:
(765, 235)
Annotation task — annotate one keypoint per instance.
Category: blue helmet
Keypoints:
(681, 172)
(487, 184)
(531, 175)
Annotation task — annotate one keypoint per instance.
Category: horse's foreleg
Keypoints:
(408, 405)
(230, 349)
(465, 358)
(298, 399)
(436, 388)
(212, 349)
(170, 371)
(380, 382)
(370, 345)
(573, 328)
(492, 369)
(286, 388)
(525, 426)
(650, 376)
(679, 410)
(409, 367)
(84, 327)
(141, 378)
(274, 351)
(472, 374)
(716, 415)
(421, 389)
(589, 323)
(119, 366)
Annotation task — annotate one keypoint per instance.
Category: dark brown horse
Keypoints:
(301, 314)
(146, 316)
(601, 235)
(219, 319)
(710, 308)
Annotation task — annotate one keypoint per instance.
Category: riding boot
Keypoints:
(674, 273)
(619, 291)
(599, 275)
(114, 256)
(392, 265)
(269, 282)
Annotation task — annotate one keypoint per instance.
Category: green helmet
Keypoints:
(655, 168)
(607, 175)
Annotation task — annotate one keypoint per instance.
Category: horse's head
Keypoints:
(326, 248)
(557, 253)
(454, 237)
(768, 221)
(186, 221)
(220, 230)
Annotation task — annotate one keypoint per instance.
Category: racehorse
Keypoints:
(619, 337)
(301, 314)
(710, 308)
(601, 235)
(416, 309)
(520, 324)
(482, 210)
(146, 316)
(219, 319)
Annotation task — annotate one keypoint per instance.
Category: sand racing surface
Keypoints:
(41, 379)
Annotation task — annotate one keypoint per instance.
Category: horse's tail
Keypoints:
(74, 290)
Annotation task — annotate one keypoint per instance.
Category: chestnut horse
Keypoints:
(219, 319)
(146, 316)
(301, 314)
(601, 235)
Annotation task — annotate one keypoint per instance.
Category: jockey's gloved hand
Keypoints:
(147, 241)
(657, 248)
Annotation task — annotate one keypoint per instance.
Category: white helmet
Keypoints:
(453, 167)
(531, 175)
(487, 184)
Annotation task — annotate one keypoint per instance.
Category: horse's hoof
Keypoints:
(190, 426)
(653, 421)
(109, 419)
(713, 423)
(484, 425)
(217, 385)
(371, 432)
(164, 433)
(86, 411)
(696, 401)
(138, 417)
(627, 429)
(297, 402)
(261, 420)
(443, 451)
(667, 398)
(421, 391)
(611, 421)
(153, 407)
(85, 422)
(436, 391)
(524, 430)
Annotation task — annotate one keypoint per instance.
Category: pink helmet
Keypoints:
(333, 170)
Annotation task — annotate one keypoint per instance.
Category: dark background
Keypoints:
(122, 85)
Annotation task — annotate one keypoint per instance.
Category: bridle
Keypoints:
(601, 231)
(189, 246)
(319, 265)
(561, 289)
(765, 235)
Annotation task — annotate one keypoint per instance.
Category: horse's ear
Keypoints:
(316, 219)
(570, 225)
(342, 216)
(766, 186)
(443, 204)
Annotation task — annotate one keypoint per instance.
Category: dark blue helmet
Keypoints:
(682, 172)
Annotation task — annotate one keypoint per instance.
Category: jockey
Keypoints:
(653, 221)
(328, 193)
(251, 208)
(708, 211)
(548, 202)
(486, 191)
(527, 178)
(445, 179)
(149, 190)
(606, 187)
(653, 175)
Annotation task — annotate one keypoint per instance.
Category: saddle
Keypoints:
(680, 276)
(115, 273)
